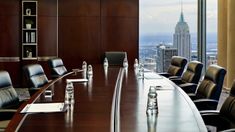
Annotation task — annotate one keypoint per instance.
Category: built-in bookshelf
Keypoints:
(29, 30)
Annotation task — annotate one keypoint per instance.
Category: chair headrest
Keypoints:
(178, 61)
(5, 79)
(56, 62)
(194, 66)
(214, 73)
(34, 69)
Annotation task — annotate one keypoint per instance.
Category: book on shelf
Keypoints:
(26, 37)
(33, 37)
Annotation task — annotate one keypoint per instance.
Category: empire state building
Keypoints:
(182, 38)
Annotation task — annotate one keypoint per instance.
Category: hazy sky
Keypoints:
(161, 16)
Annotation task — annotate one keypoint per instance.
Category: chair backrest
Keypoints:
(57, 67)
(212, 84)
(193, 72)
(115, 57)
(35, 75)
(8, 95)
(228, 106)
(177, 65)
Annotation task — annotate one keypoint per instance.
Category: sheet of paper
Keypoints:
(77, 80)
(151, 75)
(43, 108)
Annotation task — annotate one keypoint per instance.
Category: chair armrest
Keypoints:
(189, 87)
(177, 81)
(229, 130)
(192, 96)
(206, 104)
(214, 118)
(7, 114)
(209, 112)
(174, 77)
(165, 74)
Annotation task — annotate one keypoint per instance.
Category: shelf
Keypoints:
(29, 30)
(29, 43)
(29, 15)
(28, 58)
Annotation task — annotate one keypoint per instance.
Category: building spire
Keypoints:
(181, 2)
(181, 14)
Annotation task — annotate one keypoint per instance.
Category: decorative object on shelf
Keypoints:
(29, 53)
(28, 12)
(28, 23)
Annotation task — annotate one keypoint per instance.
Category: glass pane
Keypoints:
(167, 28)
(212, 16)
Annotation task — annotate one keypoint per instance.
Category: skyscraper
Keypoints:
(164, 55)
(182, 38)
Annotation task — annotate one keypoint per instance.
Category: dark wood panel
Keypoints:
(79, 39)
(9, 28)
(9, 36)
(120, 34)
(10, 7)
(14, 70)
(47, 36)
(47, 8)
(127, 8)
(79, 7)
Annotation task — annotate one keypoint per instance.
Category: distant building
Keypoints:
(164, 55)
(182, 38)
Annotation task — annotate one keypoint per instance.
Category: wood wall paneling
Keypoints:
(79, 8)
(47, 36)
(120, 34)
(9, 28)
(47, 28)
(120, 8)
(79, 40)
(89, 28)
(9, 38)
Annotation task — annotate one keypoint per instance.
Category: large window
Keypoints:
(167, 28)
(211, 44)
(170, 28)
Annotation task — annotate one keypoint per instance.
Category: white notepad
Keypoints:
(43, 108)
(77, 80)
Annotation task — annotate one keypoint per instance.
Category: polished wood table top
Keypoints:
(176, 111)
(114, 99)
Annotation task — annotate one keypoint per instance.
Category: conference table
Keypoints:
(114, 99)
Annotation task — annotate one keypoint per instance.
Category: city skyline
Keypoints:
(159, 16)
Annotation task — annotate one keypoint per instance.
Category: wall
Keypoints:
(86, 29)
(226, 39)
(10, 38)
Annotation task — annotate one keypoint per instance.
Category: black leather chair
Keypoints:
(225, 118)
(9, 100)
(57, 67)
(115, 58)
(208, 91)
(176, 67)
(190, 77)
(35, 76)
